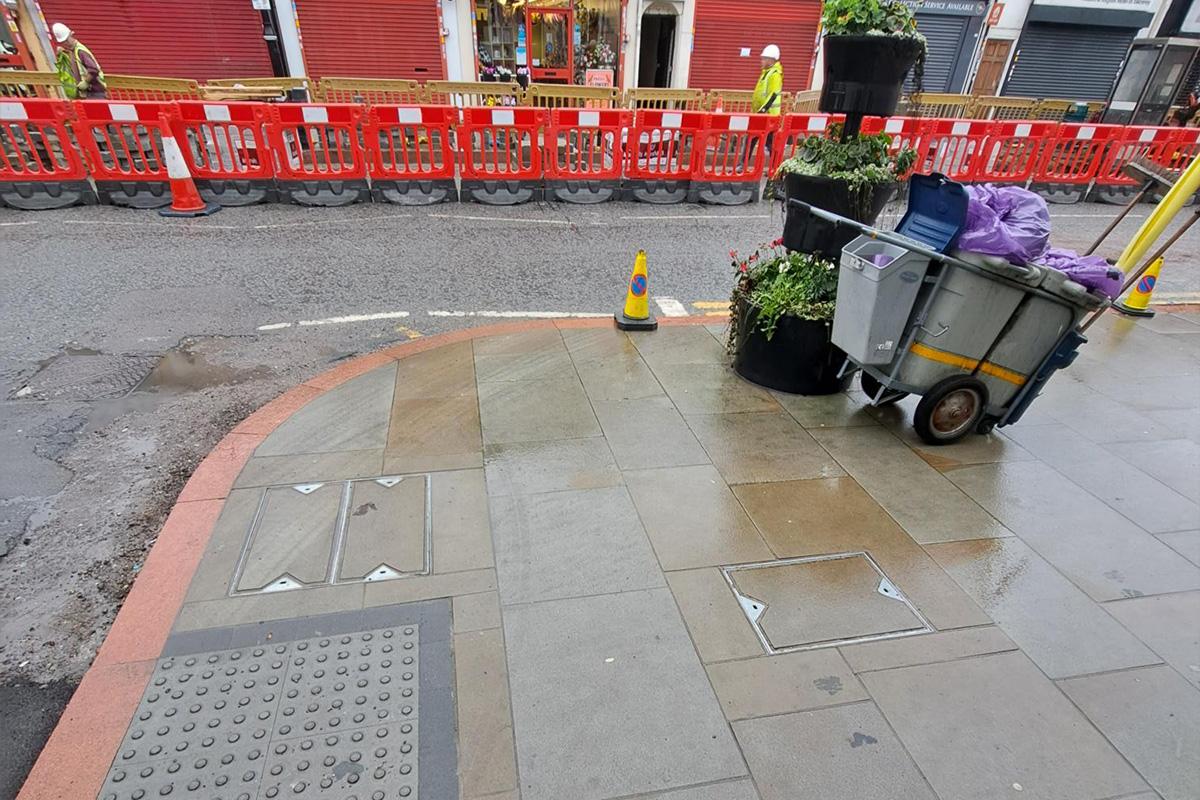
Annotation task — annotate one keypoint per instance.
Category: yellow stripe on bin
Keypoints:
(955, 360)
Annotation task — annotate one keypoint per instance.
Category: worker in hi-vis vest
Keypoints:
(769, 88)
(78, 69)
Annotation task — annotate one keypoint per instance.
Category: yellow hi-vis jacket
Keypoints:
(768, 90)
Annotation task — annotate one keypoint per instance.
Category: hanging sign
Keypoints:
(994, 16)
(602, 78)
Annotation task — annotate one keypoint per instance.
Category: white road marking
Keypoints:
(14, 224)
(1094, 216)
(351, 221)
(501, 219)
(670, 307)
(699, 216)
(307, 323)
(143, 224)
(1178, 297)
(523, 314)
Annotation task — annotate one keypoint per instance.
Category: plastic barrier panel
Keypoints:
(39, 166)
(661, 155)
(319, 158)
(225, 145)
(1134, 144)
(410, 154)
(1179, 153)
(585, 153)
(907, 133)
(794, 130)
(122, 142)
(1011, 152)
(1069, 162)
(731, 158)
(954, 147)
(501, 154)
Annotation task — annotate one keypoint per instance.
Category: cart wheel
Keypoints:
(872, 387)
(986, 426)
(950, 410)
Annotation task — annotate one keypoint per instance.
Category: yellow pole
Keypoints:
(1187, 185)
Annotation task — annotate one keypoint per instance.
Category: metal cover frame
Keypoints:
(886, 587)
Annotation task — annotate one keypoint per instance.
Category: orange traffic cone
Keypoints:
(185, 199)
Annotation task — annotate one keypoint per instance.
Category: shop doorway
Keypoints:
(550, 44)
(991, 66)
(657, 50)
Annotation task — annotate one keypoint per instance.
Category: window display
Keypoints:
(550, 41)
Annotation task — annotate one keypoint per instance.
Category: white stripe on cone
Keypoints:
(177, 168)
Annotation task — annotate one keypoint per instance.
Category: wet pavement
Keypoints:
(620, 571)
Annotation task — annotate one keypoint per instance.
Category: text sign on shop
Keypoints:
(1191, 23)
(1146, 6)
(956, 8)
(260, 5)
(602, 78)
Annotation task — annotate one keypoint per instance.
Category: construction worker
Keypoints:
(78, 69)
(769, 88)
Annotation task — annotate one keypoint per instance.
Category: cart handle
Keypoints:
(908, 244)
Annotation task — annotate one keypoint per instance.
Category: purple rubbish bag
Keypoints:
(1005, 221)
(1092, 271)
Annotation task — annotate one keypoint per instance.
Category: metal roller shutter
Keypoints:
(371, 38)
(1074, 62)
(724, 27)
(945, 37)
(198, 39)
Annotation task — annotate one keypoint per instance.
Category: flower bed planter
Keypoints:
(799, 358)
(811, 234)
(864, 74)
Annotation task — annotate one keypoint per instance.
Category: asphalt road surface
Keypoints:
(129, 344)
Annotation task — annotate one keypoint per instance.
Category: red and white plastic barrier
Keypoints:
(39, 167)
(585, 153)
(123, 145)
(410, 153)
(1011, 151)
(226, 149)
(661, 157)
(500, 153)
(732, 158)
(319, 159)
(954, 147)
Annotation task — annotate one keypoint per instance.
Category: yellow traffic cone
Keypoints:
(636, 315)
(1137, 304)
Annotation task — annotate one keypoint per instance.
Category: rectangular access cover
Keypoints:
(822, 601)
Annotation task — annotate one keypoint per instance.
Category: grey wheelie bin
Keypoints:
(975, 336)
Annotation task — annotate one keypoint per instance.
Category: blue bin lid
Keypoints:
(937, 211)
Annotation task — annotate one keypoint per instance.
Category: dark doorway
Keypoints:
(658, 50)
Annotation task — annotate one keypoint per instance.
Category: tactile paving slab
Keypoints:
(307, 708)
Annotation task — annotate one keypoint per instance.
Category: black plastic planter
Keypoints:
(799, 358)
(808, 233)
(864, 74)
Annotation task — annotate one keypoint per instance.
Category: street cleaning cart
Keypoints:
(976, 336)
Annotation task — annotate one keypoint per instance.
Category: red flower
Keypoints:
(733, 254)
(742, 267)
(753, 257)
(777, 242)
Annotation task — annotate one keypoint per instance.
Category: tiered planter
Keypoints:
(863, 77)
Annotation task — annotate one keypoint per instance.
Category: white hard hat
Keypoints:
(61, 32)
(771, 51)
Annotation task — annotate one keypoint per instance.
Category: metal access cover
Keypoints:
(357, 531)
(822, 601)
(333, 715)
(86, 375)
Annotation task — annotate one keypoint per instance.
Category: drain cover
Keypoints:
(331, 715)
(825, 601)
(91, 376)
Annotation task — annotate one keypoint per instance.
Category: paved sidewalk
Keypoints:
(557, 562)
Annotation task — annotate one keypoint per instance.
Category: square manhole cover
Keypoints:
(823, 601)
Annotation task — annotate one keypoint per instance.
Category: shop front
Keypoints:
(549, 41)
(951, 29)
(1073, 49)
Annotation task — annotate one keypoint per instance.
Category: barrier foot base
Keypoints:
(629, 324)
(208, 210)
(1133, 312)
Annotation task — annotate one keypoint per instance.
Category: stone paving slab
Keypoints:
(586, 489)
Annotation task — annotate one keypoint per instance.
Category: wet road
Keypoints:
(100, 431)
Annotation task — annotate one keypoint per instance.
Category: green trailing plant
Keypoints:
(776, 282)
(863, 162)
(869, 18)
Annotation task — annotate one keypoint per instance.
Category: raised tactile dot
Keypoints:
(405, 769)
(405, 791)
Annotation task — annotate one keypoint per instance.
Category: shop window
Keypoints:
(576, 36)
